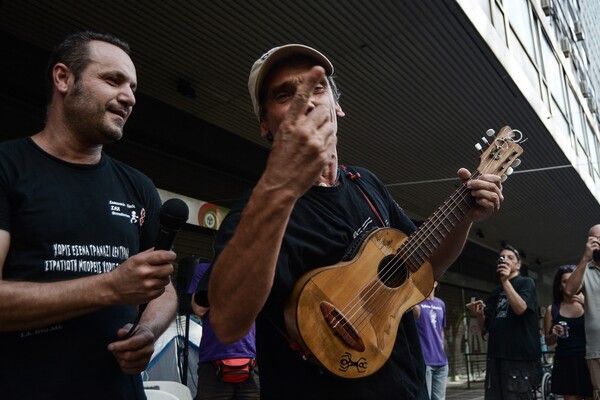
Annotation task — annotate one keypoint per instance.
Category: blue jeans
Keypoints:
(436, 378)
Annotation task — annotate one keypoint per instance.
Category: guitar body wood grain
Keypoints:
(371, 291)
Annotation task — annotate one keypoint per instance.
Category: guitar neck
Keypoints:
(426, 239)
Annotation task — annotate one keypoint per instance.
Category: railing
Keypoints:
(476, 365)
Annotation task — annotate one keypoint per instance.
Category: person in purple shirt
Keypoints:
(430, 316)
(217, 380)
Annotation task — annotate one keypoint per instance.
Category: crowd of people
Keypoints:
(70, 287)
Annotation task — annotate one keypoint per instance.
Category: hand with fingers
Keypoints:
(487, 191)
(305, 130)
(133, 353)
(142, 277)
(591, 245)
(476, 307)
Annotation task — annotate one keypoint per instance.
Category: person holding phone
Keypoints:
(586, 278)
(510, 317)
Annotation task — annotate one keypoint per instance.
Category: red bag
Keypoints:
(235, 370)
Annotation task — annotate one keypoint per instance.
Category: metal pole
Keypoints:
(185, 349)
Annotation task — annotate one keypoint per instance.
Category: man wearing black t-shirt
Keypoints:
(510, 316)
(304, 213)
(76, 232)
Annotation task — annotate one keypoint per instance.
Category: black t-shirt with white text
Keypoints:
(68, 221)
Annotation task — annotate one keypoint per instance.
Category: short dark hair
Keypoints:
(73, 52)
(513, 249)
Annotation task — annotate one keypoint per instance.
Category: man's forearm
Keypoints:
(243, 273)
(161, 311)
(515, 300)
(575, 281)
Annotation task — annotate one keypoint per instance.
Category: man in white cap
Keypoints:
(304, 213)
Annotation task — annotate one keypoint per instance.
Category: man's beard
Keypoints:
(90, 120)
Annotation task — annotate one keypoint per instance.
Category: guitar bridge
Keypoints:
(342, 327)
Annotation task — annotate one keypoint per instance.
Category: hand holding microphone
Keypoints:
(174, 214)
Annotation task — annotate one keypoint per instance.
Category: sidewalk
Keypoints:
(459, 390)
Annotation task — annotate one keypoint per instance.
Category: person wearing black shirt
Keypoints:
(510, 317)
(76, 235)
(304, 213)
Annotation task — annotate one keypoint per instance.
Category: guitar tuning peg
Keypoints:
(503, 178)
(484, 140)
(516, 163)
(509, 171)
(490, 132)
(478, 147)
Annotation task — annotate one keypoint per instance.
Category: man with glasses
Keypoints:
(510, 317)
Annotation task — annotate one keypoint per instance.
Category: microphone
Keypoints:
(173, 215)
(500, 260)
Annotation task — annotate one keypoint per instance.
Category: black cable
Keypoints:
(136, 322)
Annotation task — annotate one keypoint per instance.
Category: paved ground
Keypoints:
(459, 390)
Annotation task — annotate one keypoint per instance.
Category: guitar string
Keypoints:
(394, 264)
(399, 260)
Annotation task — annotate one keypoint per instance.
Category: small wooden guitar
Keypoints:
(345, 316)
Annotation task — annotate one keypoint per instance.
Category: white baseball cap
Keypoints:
(262, 66)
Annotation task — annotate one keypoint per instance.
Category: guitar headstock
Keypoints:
(502, 153)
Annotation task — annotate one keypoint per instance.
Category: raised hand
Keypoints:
(304, 130)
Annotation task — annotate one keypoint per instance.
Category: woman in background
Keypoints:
(570, 375)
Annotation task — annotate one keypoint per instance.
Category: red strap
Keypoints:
(354, 178)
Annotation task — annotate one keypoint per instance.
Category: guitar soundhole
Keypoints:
(392, 271)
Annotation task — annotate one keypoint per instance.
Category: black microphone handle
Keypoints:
(165, 239)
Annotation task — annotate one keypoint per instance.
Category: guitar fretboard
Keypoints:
(427, 238)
